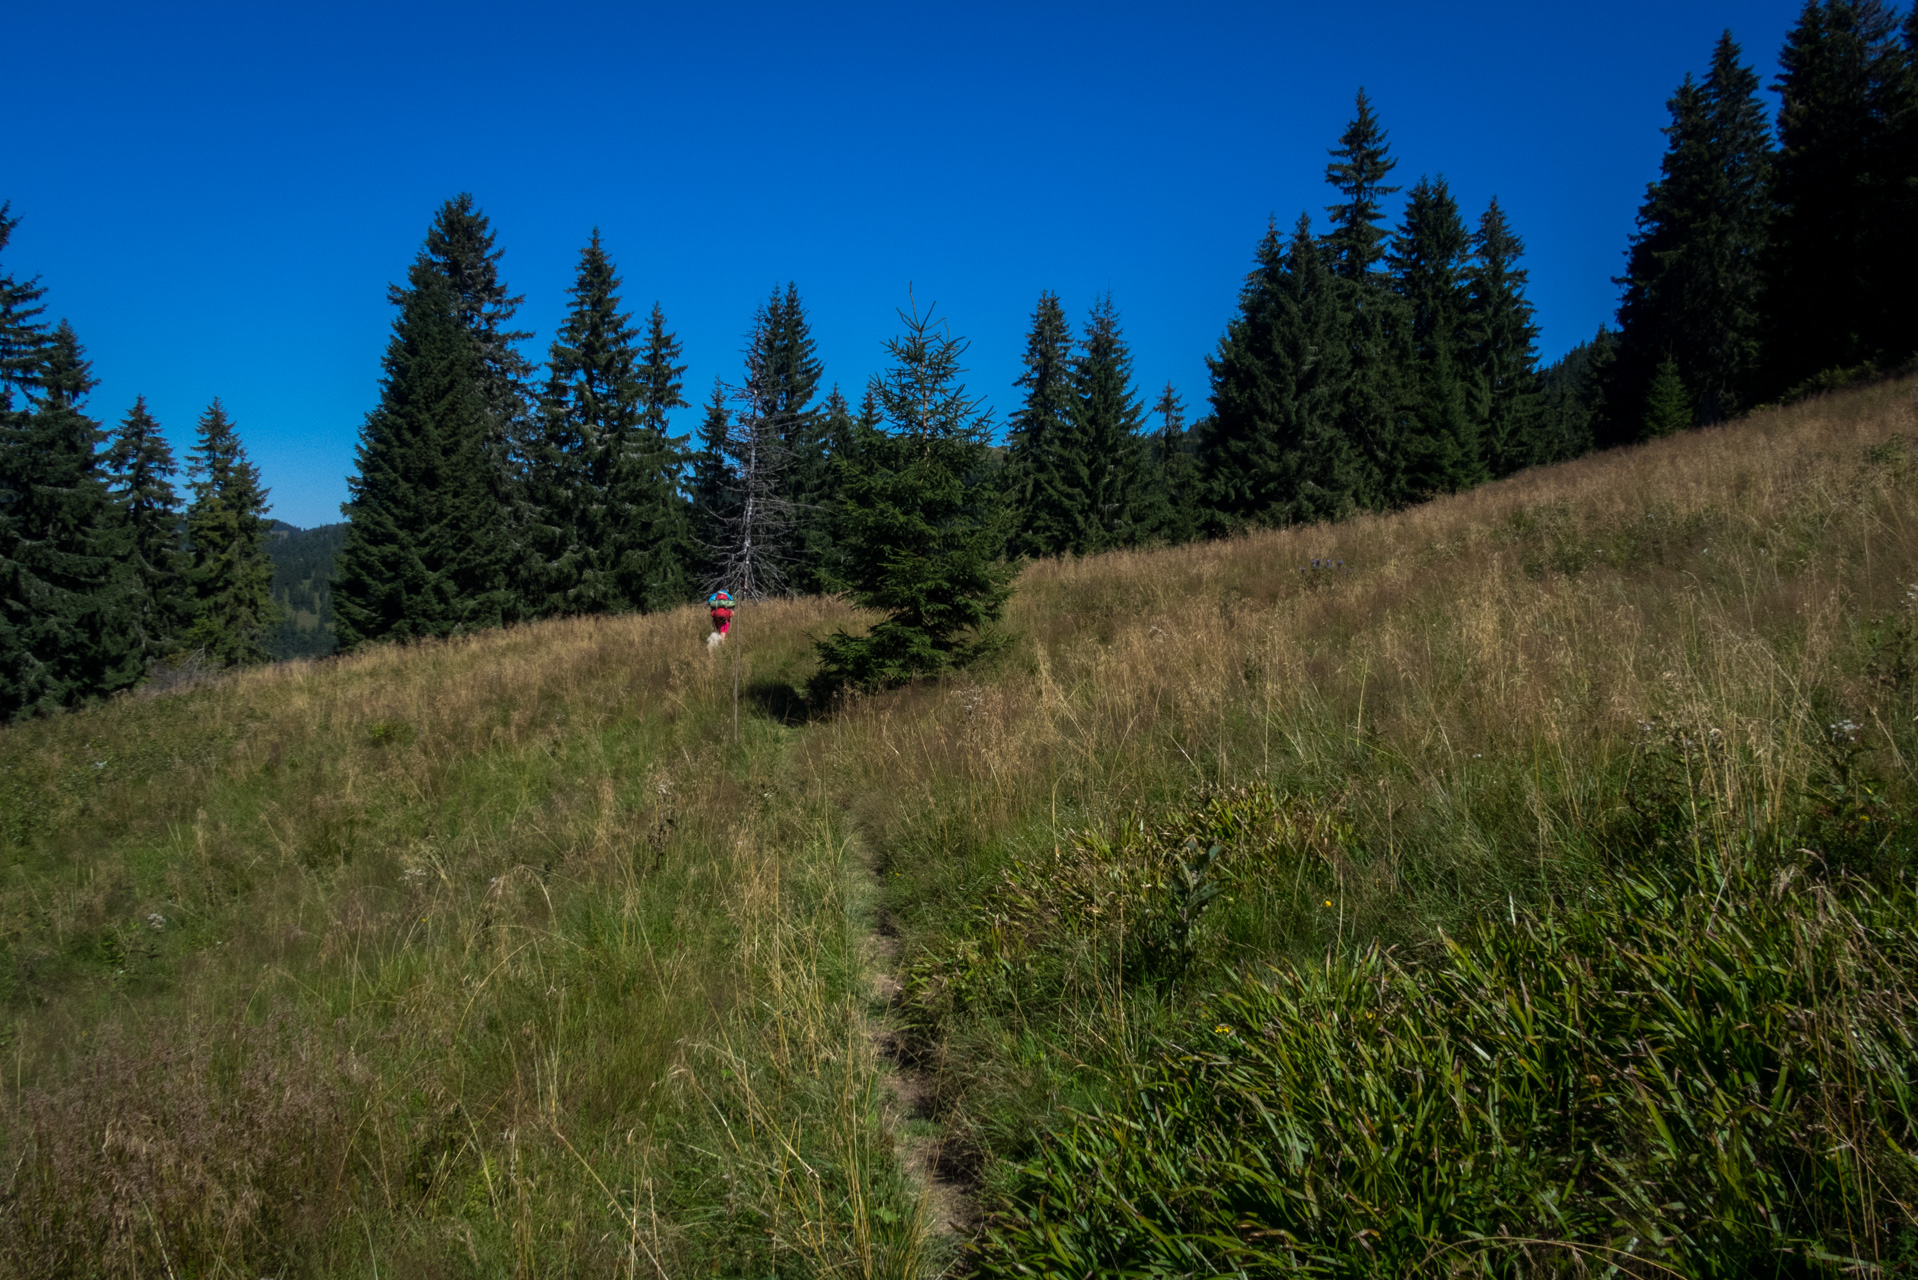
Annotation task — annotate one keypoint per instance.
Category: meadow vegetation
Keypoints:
(1517, 883)
(494, 957)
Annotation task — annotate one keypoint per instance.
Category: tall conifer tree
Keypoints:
(1107, 417)
(158, 601)
(1439, 451)
(1693, 283)
(1360, 165)
(1505, 350)
(23, 336)
(1274, 449)
(921, 524)
(1375, 396)
(793, 371)
(602, 488)
(758, 524)
(1040, 436)
(460, 250)
(423, 554)
(23, 351)
(668, 572)
(1835, 298)
(711, 486)
(231, 574)
(841, 426)
(61, 623)
(1173, 510)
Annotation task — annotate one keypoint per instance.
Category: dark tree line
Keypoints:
(1370, 367)
(104, 572)
(485, 495)
(1366, 368)
(1767, 265)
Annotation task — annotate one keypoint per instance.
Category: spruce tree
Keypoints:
(23, 351)
(755, 552)
(1360, 164)
(460, 250)
(921, 524)
(841, 426)
(793, 372)
(1039, 453)
(601, 488)
(230, 573)
(1668, 405)
(1439, 451)
(1275, 449)
(423, 553)
(62, 621)
(158, 603)
(1375, 398)
(1504, 348)
(1107, 417)
(667, 571)
(1172, 510)
(23, 336)
(1835, 295)
(1243, 473)
(1692, 286)
(711, 487)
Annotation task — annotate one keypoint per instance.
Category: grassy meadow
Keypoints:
(1517, 884)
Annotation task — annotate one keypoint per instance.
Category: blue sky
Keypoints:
(217, 196)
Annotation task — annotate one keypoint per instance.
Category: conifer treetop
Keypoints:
(921, 395)
(1360, 164)
(142, 463)
(661, 379)
(22, 334)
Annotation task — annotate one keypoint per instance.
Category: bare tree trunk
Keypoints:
(756, 533)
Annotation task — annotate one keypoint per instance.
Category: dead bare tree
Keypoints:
(757, 524)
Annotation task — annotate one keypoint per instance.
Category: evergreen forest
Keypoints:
(1382, 352)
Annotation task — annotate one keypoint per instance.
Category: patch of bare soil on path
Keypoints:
(912, 1094)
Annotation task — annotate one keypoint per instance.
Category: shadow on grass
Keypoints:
(784, 701)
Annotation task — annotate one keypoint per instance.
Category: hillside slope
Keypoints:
(511, 956)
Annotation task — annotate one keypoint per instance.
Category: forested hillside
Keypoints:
(303, 589)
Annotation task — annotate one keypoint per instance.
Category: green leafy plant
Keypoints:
(1713, 1076)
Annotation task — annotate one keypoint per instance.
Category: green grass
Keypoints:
(505, 957)
(489, 958)
(1516, 703)
(1707, 1074)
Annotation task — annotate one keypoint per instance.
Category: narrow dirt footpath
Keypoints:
(911, 1091)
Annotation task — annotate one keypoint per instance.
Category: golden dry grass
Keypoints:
(1483, 704)
(544, 973)
(519, 933)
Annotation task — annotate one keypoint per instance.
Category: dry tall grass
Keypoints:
(1483, 697)
(502, 957)
(461, 958)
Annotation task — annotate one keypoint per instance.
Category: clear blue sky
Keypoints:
(217, 196)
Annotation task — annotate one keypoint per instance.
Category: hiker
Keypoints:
(722, 607)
